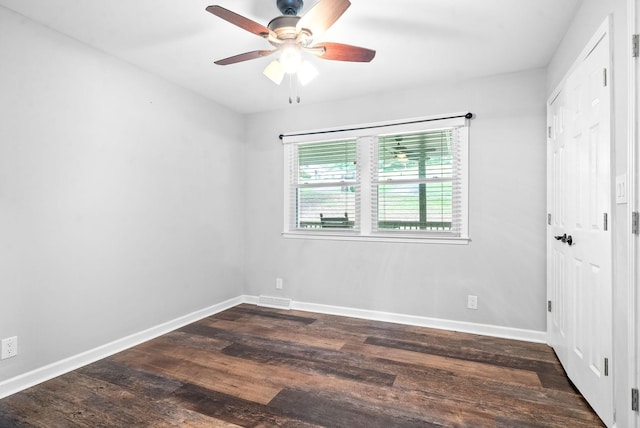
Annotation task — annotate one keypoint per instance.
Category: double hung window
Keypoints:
(392, 181)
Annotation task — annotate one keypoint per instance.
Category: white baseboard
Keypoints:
(442, 324)
(42, 374)
(252, 300)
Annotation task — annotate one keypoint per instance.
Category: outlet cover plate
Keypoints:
(9, 347)
(472, 302)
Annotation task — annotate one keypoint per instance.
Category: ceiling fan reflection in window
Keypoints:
(291, 35)
(397, 152)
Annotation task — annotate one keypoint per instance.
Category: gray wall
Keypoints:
(504, 265)
(119, 194)
(587, 20)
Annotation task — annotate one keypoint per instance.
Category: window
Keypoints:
(392, 181)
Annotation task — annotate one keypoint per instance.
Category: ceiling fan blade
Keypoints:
(240, 21)
(342, 52)
(322, 16)
(244, 57)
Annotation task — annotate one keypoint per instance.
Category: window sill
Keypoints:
(378, 237)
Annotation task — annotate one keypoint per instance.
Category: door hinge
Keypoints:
(634, 399)
(548, 131)
(606, 367)
(548, 305)
(606, 222)
(635, 45)
(549, 219)
(604, 76)
(635, 220)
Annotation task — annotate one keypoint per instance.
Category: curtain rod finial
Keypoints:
(281, 136)
(468, 115)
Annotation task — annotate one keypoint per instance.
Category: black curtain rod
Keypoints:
(466, 116)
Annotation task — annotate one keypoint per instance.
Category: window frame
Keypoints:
(366, 136)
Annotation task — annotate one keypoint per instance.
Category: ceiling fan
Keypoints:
(291, 35)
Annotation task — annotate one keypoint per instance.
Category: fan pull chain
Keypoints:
(291, 90)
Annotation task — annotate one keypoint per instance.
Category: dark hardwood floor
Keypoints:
(257, 367)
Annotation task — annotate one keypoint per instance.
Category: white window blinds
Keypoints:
(324, 189)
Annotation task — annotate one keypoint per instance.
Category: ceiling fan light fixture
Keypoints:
(306, 73)
(274, 71)
(291, 59)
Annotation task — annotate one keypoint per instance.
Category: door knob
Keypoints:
(565, 239)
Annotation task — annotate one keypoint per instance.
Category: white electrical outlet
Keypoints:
(472, 302)
(9, 347)
(278, 283)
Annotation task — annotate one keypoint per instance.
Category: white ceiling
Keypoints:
(418, 42)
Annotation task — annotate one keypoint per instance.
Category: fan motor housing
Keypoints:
(284, 26)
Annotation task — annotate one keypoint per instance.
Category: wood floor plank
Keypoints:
(318, 408)
(42, 406)
(471, 369)
(177, 339)
(233, 409)
(194, 341)
(252, 366)
(140, 382)
(532, 405)
(77, 401)
(274, 314)
(556, 380)
(276, 331)
(315, 361)
(221, 378)
(472, 343)
(34, 408)
(96, 400)
(151, 387)
(410, 407)
(466, 354)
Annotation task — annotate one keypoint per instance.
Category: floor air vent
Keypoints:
(274, 302)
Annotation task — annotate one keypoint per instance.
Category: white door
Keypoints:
(580, 273)
(590, 284)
